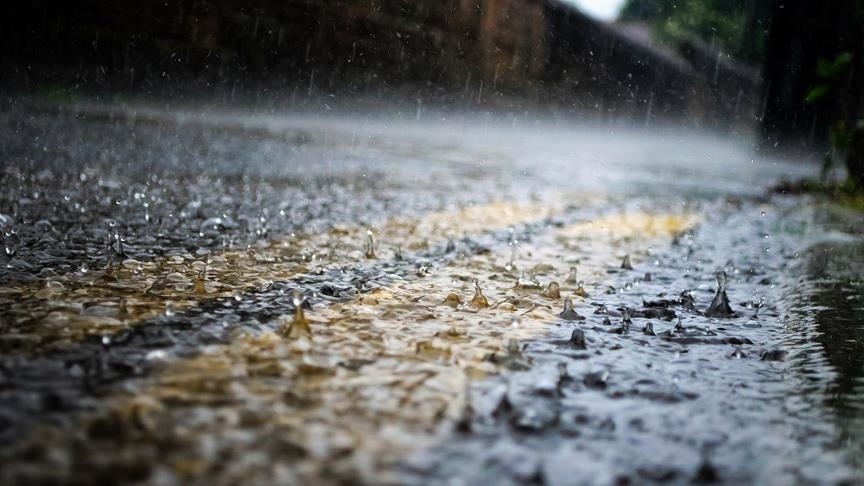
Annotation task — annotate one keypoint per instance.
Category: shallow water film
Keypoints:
(192, 297)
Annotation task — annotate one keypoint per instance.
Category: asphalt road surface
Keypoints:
(155, 259)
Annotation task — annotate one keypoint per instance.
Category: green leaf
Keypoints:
(830, 69)
(816, 92)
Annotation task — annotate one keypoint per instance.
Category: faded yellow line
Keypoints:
(63, 309)
(378, 375)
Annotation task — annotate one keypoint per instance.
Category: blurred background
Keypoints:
(512, 225)
(786, 70)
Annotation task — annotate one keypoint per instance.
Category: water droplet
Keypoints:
(169, 309)
(759, 306)
(553, 291)
(298, 326)
(580, 290)
(479, 299)
(198, 287)
(625, 264)
(527, 283)
(572, 277)
(452, 300)
(369, 248)
(156, 355)
(569, 313)
(649, 330)
(511, 265)
(577, 339)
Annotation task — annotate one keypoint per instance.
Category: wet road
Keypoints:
(150, 257)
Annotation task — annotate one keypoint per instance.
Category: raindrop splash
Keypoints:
(720, 305)
(569, 313)
(369, 247)
(298, 326)
(479, 301)
(553, 291)
(625, 264)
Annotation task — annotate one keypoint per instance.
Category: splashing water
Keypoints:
(625, 263)
(369, 247)
(298, 327)
(720, 305)
(569, 313)
(479, 300)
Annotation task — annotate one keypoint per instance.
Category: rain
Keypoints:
(556, 242)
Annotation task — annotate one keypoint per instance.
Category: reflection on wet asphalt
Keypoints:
(150, 259)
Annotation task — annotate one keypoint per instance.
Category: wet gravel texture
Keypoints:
(101, 201)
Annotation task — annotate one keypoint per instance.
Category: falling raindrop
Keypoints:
(511, 265)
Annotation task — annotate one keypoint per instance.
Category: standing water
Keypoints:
(253, 324)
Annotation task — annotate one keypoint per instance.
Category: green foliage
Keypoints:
(831, 69)
(816, 92)
(828, 72)
(721, 22)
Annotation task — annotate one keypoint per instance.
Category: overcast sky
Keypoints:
(600, 9)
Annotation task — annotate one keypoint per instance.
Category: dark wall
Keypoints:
(543, 52)
(358, 41)
(605, 68)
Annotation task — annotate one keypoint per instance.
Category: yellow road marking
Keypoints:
(378, 374)
(65, 309)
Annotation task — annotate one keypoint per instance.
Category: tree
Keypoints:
(738, 27)
(813, 78)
